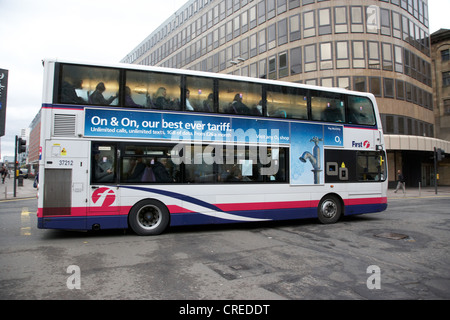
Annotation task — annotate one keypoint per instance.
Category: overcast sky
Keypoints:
(87, 30)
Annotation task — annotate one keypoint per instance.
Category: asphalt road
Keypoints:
(402, 253)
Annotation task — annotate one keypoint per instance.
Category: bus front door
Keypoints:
(104, 200)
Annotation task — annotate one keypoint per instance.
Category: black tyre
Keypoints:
(330, 209)
(149, 217)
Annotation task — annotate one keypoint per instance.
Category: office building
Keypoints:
(381, 47)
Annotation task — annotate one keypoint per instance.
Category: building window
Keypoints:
(294, 4)
(326, 56)
(281, 6)
(272, 36)
(261, 12)
(446, 78)
(359, 84)
(342, 55)
(400, 86)
(343, 82)
(270, 9)
(309, 24)
(447, 106)
(375, 86)
(324, 21)
(356, 19)
(294, 28)
(385, 22)
(263, 69)
(327, 82)
(253, 45)
(408, 91)
(387, 56)
(296, 60)
(398, 59)
(445, 55)
(374, 55)
(396, 25)
(283, 70)
(244, 22)
(340, 20)
(244, 48)
(262, 41)
(388, 88)
(359, 55)
(310, 58)
(282, 32)
(272, 67)
(237, 27)
(389, 124)
(253, 19)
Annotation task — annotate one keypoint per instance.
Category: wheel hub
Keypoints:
(329, 209)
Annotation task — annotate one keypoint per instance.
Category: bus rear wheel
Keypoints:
(149, 217)
(330, 209)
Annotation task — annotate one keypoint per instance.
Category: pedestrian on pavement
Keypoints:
(3, 173)
(401, 181)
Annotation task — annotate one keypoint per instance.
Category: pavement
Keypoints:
(27, 191)
(24, 192)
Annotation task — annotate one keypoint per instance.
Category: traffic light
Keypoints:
(440, 154)
(21, 146)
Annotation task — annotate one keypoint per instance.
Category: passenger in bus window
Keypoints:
(103, 171)
(188, 104)
(161, 102)
(68, 93)
(257, 110)
(97, 96)
(333, 113)
(129, 102)
(136, 170)
(160, 170)
(208, 104)
(237, 106)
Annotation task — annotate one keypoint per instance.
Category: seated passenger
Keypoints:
(97, 96)
(189, 107)
(238, 106)
(103, 170)
(68, 93)
(332, 113)
(161, 102)
(160, 171)
(136, 170)
(257, 110)
(208, 105)
(129, 100)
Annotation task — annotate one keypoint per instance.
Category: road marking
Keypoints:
(25, 230)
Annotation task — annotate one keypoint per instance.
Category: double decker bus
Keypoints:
(127, 146)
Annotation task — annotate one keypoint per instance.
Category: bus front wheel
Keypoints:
(149, 217)
(330, 209)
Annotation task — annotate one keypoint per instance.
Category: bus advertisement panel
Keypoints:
(306, 140)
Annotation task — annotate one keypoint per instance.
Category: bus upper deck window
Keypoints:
(327, 107)
(360, 111)
(88, 85)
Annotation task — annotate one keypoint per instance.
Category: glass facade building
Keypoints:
(382, 47)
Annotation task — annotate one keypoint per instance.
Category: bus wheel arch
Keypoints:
(149, 217)
(330, 208)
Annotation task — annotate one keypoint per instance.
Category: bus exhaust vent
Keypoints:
(64, 125)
